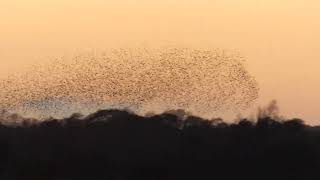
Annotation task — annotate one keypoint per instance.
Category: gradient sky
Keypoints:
(280, 39)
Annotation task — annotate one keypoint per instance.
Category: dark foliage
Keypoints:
(118, 145)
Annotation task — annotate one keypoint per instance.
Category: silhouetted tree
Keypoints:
(120, 145)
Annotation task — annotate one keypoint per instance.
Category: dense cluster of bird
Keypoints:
(201, 81)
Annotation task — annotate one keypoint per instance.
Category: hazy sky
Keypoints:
(280, 39)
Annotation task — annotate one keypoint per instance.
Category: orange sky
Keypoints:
(279, 38)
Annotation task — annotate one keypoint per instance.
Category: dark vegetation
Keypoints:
(119, 145)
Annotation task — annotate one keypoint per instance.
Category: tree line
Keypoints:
(120, 145)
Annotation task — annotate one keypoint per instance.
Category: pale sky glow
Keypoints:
(280, 39)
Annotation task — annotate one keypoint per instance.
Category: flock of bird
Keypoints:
(201, 81)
